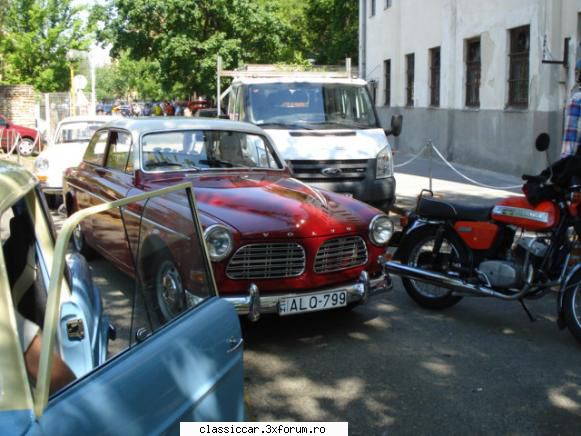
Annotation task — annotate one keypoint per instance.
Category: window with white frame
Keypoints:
(518, 78)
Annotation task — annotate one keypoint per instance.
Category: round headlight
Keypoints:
(380, 230)
(41, 164)
(219, 242)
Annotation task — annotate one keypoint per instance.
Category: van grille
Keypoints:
(267, 261)
(329, 170)
(340, 254)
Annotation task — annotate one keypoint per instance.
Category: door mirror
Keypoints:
(542, 142)
(396, 125)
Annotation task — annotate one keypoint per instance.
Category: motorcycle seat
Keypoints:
(432, 208)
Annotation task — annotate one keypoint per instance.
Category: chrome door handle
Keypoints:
(234, 344)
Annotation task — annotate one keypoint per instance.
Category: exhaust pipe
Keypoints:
(437, 279)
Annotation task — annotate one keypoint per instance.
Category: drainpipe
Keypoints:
(362, 38)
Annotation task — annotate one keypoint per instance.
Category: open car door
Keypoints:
(177, 349)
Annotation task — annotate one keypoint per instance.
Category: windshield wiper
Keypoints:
(286, 125)
(219, 162)
(163, 164)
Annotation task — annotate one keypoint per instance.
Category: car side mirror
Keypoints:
(396, 125)
(542, 142)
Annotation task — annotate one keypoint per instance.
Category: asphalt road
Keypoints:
(392, 368)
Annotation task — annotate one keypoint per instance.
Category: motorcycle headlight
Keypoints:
(384, 167)
(41, 164)
(380, 230)
(219, 242)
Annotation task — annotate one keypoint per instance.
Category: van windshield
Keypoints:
(310, 106)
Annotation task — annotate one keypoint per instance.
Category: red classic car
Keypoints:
(9, 133)
(276, 244)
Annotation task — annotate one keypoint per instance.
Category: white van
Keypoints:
(325, 128)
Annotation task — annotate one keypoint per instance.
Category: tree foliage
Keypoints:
(333, 30)
(36, 37)
(186, 36)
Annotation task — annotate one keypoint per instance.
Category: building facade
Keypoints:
(480, 79)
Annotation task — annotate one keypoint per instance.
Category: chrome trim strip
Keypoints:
(519, 212)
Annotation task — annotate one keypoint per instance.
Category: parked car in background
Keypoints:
(66, 149)
(192, 365)
(29, 138)
(277, 245)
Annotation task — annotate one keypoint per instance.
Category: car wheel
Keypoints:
(80, 244)
(53, 201)
(26, 147)
(166, 290)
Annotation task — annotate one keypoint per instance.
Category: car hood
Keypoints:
(262, 205)
(65, 155)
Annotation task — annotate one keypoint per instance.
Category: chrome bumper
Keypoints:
(255, 304)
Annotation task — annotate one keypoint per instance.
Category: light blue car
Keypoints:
(75, 360)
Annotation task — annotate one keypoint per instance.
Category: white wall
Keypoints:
(415, 26)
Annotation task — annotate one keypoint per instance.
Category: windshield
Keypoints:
(77, 132)
(310, 105)
(205, 149)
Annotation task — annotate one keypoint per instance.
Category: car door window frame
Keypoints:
(92, 144)
(128, 166)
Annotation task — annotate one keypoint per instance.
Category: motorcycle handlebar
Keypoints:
(530, 178)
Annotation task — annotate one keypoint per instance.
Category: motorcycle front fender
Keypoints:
(415, 224)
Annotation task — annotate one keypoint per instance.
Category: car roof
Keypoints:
(15, 182)
(314, 80)
(155, 124)
(85, 118)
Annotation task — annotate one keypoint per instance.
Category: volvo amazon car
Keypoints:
(277, 245)
(74, 356)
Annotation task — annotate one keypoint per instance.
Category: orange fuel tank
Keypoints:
(519, 212)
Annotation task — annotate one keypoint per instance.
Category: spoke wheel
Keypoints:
(572, 306)
(417, 251)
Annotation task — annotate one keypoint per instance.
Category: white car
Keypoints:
(65, 150)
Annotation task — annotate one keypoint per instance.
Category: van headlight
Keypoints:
(380, 230)
(219, 242)
(41, 164)
(384, 167)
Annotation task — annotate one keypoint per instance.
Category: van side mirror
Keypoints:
(542, 142)
(396, 125)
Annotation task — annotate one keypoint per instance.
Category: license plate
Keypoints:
(312, 303)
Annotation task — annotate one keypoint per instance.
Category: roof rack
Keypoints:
(281, 70)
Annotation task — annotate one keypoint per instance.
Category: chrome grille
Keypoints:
(267, 261)
(310, 171)
(341, 253)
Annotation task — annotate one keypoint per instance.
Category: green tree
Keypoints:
(37, 36)
(333, 30)
(128, 79)
(186, 36)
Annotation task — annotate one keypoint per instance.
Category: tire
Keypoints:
(572, 306)
(26, 147)
(410, 253)
(164, 288)
(53, 201)
(80, 244)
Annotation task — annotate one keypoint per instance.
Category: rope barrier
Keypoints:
(430, 145)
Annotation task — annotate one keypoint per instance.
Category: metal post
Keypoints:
(430, 145)
(47, 116)
(218, 91)
(73, 100)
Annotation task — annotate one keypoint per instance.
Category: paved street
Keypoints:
(391, 367)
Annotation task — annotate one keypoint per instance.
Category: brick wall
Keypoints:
(17, 103)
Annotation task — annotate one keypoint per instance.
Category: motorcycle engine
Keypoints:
(513, 273)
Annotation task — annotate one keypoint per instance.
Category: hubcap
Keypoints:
(170, 291)
(26, 147)
(78, 238)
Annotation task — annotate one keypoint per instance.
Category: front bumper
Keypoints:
(255, 304)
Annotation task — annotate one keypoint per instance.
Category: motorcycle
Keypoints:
(517, 249)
